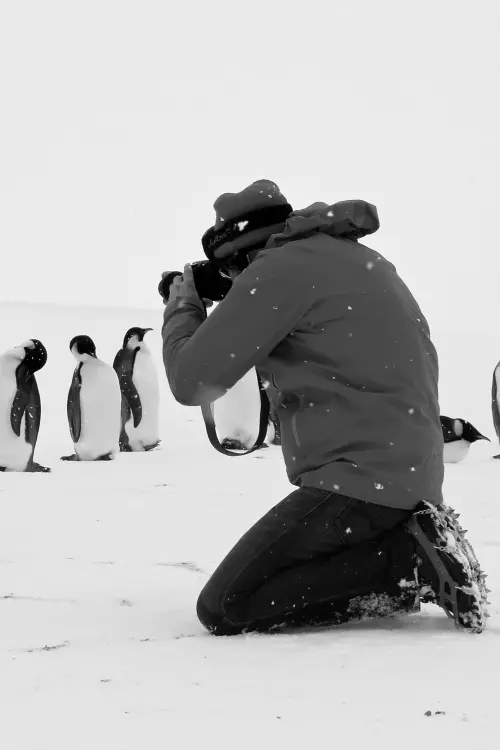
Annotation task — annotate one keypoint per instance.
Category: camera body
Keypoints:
(209, 282)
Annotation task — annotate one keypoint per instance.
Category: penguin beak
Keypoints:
(478, 436)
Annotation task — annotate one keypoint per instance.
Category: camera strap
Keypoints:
(208, 415)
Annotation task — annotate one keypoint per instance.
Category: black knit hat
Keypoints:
(246, 220)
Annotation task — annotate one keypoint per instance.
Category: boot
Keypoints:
(447, 568)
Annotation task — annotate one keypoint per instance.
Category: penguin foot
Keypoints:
(73, 457)
(3, 468)
(125, 448)
(152, 446)
(105, 457)
(38, 468)
(233, 444)
(497, 456)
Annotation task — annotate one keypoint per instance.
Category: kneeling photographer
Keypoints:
(353, 377)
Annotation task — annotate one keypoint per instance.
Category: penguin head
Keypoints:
(470, 433)
(134, 336)
(459, 429)
(35, 355)
(82, 347)
(31, 353)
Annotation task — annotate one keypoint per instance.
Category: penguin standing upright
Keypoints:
(93, 407)
(138, 379)
(458, 436)
(20, 408)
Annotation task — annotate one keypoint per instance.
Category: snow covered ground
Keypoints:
(101, 564)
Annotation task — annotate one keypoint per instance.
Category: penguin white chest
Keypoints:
(15, 452)
(456, 451)
(145, 379)
(237, 413)
(100, 404)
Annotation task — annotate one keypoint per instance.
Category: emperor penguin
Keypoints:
(93, 406)
(458, 436)
(140, 390)
(20, 408)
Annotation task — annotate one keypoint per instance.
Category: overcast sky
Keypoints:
(121, 122)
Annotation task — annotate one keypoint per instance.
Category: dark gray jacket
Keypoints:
(347, 354)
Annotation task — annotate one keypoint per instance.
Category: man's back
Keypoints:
(355, 382)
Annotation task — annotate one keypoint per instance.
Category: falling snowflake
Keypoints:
(311, 403)
(329, 213)
(348, 530)
(275, 308)
(411, 411)
(336, 487)
(412, 468)
(233, 355)
(379, 486)
(349, 307)
(242, 225)
(252, 291)
(370, 265)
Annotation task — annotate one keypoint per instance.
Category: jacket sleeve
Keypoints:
(204, 358)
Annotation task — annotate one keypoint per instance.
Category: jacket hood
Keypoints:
(348, 220)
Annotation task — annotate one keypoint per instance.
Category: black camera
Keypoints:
(208, 280)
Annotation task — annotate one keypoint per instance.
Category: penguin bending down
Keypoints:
(458, 436)
(93, 407)
(20, 408)
(138, 379)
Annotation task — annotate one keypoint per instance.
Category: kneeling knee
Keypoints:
(216, 623)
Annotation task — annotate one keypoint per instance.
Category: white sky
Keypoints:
(121, 122)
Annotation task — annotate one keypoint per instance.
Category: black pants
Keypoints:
(304, 561)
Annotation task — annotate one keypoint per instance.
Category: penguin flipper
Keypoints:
(73, 406)
(21, 399)
(123, 365)
(33, 414)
